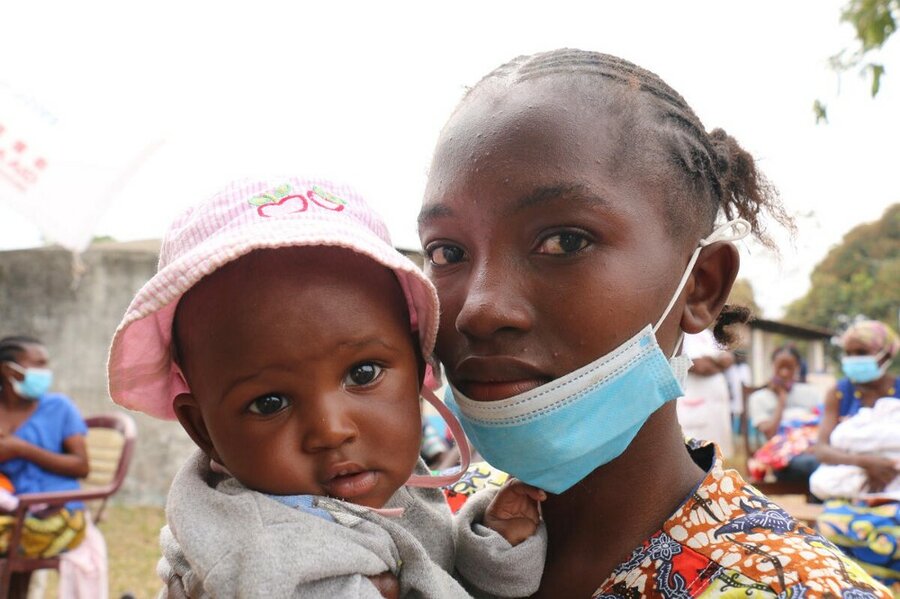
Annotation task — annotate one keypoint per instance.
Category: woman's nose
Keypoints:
(494, 302)
(328, 423)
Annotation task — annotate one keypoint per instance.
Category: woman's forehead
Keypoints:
(530, 152)
(34, 352)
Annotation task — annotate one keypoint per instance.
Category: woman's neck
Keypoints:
(10, 400)
(596, 524)
(875, 390)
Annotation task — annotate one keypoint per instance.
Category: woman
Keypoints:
(869, 349)
(569, 228)
(867, 532)
(785, 411)
(42, 447)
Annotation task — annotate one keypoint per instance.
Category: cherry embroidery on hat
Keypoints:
(317, 193)
(280, 201)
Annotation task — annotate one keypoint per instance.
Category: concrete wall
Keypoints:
(76, 316)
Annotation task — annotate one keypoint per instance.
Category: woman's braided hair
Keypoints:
(720, 175)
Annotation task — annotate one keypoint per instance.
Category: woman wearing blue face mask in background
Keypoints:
(42, 446)
(865, 530)
(869, 349)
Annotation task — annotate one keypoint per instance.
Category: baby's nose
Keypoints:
(328, 424)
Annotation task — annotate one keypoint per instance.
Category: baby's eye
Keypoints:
(363, 373)
(442, 255)
(268, 404)
(563, 243)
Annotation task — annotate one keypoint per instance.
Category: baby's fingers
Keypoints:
(527, 490)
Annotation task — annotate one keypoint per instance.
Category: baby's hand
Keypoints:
(514, 512)
(387, 584)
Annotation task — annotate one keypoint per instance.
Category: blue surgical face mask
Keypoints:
(864, 369)
(37, 381)
(555, 435)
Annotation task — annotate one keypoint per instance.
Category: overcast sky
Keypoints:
(359, 91)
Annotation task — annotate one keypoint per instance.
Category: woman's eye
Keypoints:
(362, 374)
(442, 255)
(268, 404)
(563, 243)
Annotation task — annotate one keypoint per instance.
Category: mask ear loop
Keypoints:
(733, 230)
(883, 368)
(432, 482)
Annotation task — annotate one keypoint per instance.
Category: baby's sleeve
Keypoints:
(487, 562)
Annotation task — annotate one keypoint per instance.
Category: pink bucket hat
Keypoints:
(245, 216)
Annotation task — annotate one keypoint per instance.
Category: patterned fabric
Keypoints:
(870, 534)
(778, 451)
(728, 540)
(875, 336)
(48, 536)
(478, 476)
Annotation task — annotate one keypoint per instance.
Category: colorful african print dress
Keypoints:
(726, 540)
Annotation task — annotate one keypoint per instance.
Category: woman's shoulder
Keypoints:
(57, 400)
(57, 410)
(760, 394)
(726, 538)
(741, 531)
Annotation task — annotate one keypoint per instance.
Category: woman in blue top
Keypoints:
(42, 446)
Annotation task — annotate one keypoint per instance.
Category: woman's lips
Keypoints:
(494, 391)
(489, 378)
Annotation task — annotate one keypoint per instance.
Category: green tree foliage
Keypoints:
(874, 22)
(861, 276)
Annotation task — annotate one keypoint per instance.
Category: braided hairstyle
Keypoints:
(716, 173)
(11, 347)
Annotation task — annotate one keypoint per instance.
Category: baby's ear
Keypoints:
(709, 285)
(187, 410)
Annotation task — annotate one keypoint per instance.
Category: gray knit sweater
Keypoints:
(224, 540)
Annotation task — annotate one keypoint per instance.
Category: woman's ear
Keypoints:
(9, 373)
(187, 410)
(709, 285)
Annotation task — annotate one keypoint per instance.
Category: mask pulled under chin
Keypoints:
(556, 434)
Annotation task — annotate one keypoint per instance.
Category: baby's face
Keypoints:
(304, 374)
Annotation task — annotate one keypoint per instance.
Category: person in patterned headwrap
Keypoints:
(869, 348)
(867, 532)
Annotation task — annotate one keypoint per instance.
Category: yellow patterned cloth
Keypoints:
(45, 537)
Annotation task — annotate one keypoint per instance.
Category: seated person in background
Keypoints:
(785, 400)
(786, 412)
(42, 447)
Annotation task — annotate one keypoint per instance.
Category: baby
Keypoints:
(870, 433)
(290, 341)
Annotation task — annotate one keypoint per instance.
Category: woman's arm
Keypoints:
(72, 462)
(824, 452)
